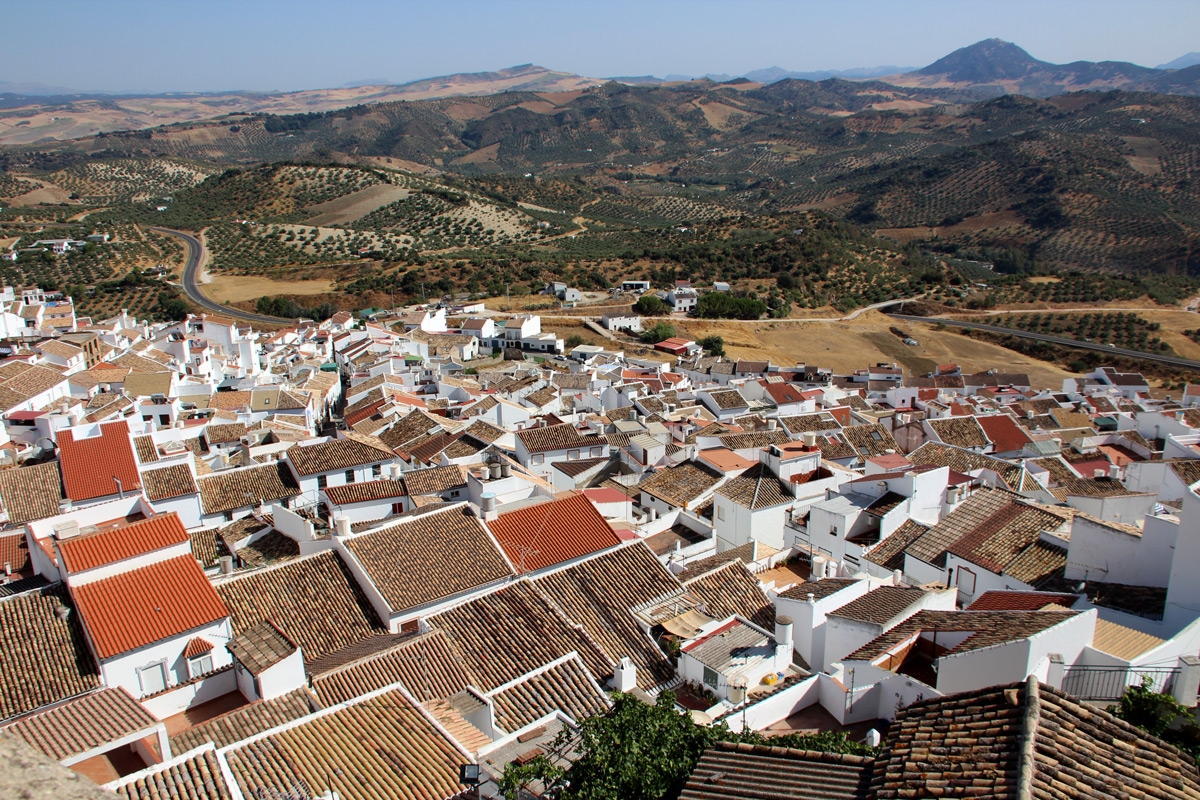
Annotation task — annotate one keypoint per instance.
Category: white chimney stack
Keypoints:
(341, 525)
(897, 577)
(873, 738)
(625, 676)
(772, 424)
(226, 565)
(1098, 474)
(395, 471)
(505, 470)
(487, 505)
(67, 529)
(809, 438)
(783, 632)
(1114, 472)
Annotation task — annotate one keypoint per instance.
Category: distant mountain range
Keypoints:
(989, 68)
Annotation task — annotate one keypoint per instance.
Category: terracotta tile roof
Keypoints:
(550, 533)
(966, 462)
(337, 454)
(43, 658)
(567, 687)
(173, 481)
(1021, 601)
(435, 480)
(889, 553)
(728, 399)
(83, 723)
(681, 485)
(383, 747)
(987, 629)
(270, 548)
(973, 744)
(881, 605)
(261, 647)
(313, 600)
(1038, 563)
(555, 437)
(14, 551)
(245, 486)
(819, 589)
(599, 594)
(533, 633)
(986, 513)
(756, 488)
(834, 446)
(1003, 432)
(242, 723)
(196, 778)
(90, 550)
(31, 493)
(576, 468)
(224, 434)
(429, 558)
(485, 431)
(428, 664)
(733, 771)
(80, 458)
(1188, 470)
(146, 605)
(365, 492)
(147, 451)
(1059, 470)
(1093, 487)
(870, 440)
(745, 441)
(732, 590)
(1122, 641)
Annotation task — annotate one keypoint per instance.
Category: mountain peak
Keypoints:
(989, 60)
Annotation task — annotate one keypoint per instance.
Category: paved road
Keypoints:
(192, 289)
(1173, 361)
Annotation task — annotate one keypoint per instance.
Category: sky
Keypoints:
(287, 45)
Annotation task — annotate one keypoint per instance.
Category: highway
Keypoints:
(1173, 361)
(192, 289)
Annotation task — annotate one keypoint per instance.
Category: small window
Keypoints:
(228, 516)
(411, 626)
(454, 493)
(572, 455)
(597, 452)
(322, 482)
(538, 459)
(200, 665)
(966, 581)
(398, 508)
(153, 678)
(377, 471)
(349, 476)
(711, 677)
(721, 512)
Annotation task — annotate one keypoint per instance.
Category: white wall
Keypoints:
(808, 631)
(168, 704)
(122, 670)
(1098, 552)
(283, 677)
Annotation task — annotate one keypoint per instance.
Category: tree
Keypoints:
(650, 306)
(718, 305)
(574, 340)
(637, 751)
(657, 332)
(1160, 715)
(714, 345)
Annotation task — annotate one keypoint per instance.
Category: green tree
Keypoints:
(1160, 715)
(574, 340)
(657, 332)
(718, 305)
(650, 306)
(637, 751)
(714, 345)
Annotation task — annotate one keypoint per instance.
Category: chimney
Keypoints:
(395, 471)
(873, 738)
(67, 529)
(341, 525)
(737, 690)
(1098, 473)
(772, 424)
(809, 438)
(62, 611)
(487, 506)
(897, 577)
(625, 676)
(505, 470)
(1114, 472)
(226, 565)
(783, 632)
(812, 598)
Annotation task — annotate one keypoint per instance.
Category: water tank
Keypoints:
(488, 502)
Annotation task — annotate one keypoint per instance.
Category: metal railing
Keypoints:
(1110, 683)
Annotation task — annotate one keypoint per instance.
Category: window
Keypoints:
(200, 665)
(153, 678)
(398, 508)
(721, 512)
(572, 455)
(454, 493)
(597, 452)
(228, 516)
(538, 459)
(322, 481)
(349, 476)
(377, 471)
(164, 419)
(710, 677)
(966, 581)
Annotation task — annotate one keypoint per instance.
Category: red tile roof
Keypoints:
(147, 605)
(197, 647)
(551, 533)
(91, 550)
(1020, 601)
(90, 465)
(1003, 432)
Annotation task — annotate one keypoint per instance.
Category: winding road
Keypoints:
(1173, 361)
(192, 289)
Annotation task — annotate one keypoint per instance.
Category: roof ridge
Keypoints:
(1026, 759)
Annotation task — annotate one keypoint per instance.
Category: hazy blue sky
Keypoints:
(171, 45)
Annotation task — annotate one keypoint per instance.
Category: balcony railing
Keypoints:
(1110, 683)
